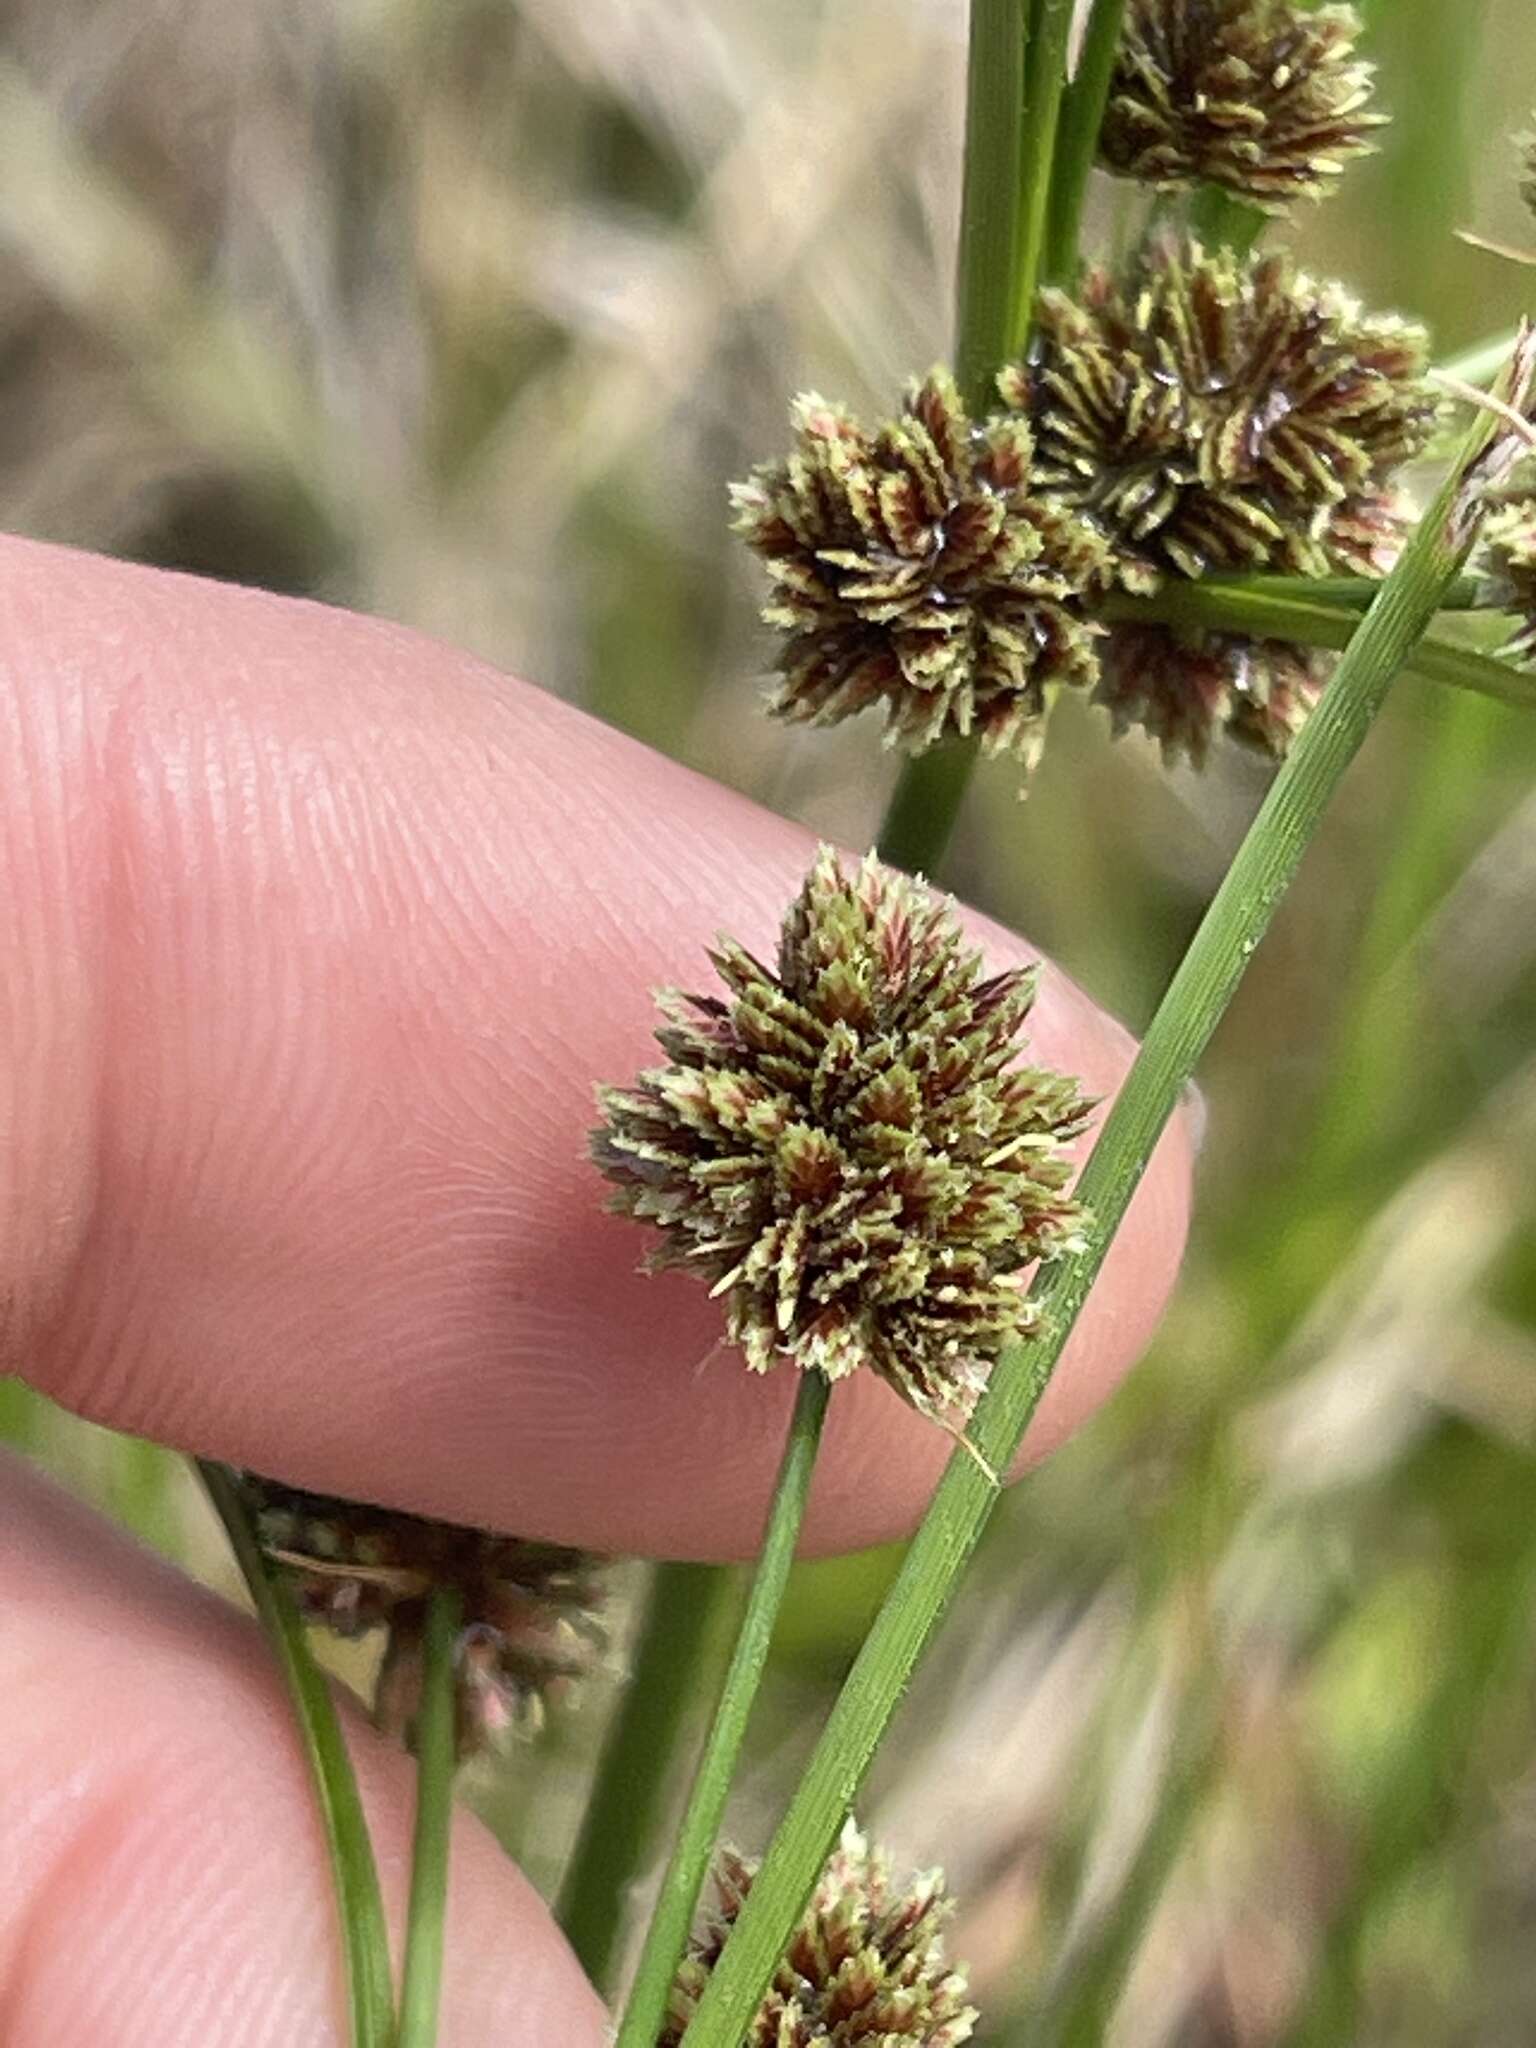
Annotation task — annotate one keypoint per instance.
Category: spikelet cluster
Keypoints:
(865, 1968)
(1505, 568)
(844, 1146)
(1219, 412)
(1211, 412)
(532, 1612)
(915, 567)
(1265, 98)
(1181, 686)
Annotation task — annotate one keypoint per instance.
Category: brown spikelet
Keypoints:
(1183, 687)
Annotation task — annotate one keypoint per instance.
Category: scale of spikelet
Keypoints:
(1505, 569)
(1227, 414)
(916, 568)
(845, 1148)
(532, 1612)
(865, 1968)
(1262, 97)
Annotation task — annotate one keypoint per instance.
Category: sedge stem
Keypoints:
(679, 1658)
(354, 1874)
(436, 1761)
(1045, 82)
(667, 1934)
(1245, 607)
(990, 200)
(1196, 1000)
(1077, 142)
(924, 806)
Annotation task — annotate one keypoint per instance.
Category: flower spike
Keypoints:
(1216, 413)
(844, 1148)
(1267, 99)
(1505, 568)
(917, 568)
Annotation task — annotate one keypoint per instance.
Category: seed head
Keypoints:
(1265, 98)
(844, 1147)
(532, 1612)
(864, 1969)
(1505, 567)
(916, 567)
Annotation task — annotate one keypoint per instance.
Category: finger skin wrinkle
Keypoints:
(51, 983)
(52, 1906)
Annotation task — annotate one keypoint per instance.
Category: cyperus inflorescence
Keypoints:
(531, 1612)
(1264, 98)
(1218, 413)
(1213, 411)
(865, 1968)
(916, 567)
(844, 1146)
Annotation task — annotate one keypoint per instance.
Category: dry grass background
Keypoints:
(462, 311)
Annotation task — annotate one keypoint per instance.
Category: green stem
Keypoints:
(354, 1875)
(1196, 1000)
(679, 1647)
(684, 1880)
(1350, 593)
(1007, 185)
(1045, 82)
(1077, 141)
(421, 1980)
(1234, 608)
(924, 806)
(990, 202)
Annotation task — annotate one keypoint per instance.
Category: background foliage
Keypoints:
(462, 311)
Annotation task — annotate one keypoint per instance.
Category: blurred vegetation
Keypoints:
(463, 311)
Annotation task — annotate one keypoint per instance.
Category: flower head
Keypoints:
(844, 1147)
(1505, 567)
(532, 1612)
(865, 1967)
(1265, 98)
(916, 567)
(1221, 412)
(1224, 414)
